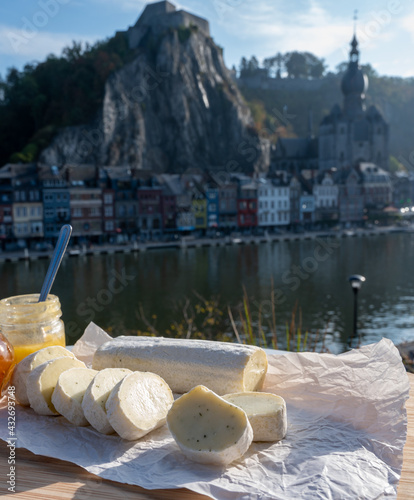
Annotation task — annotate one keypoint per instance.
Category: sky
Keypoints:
(32, 29)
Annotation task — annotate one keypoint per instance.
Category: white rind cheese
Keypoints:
(96, 395)
(42, 381)
(69, 391)
(265, 411)
(208, 429)
(138, 404)
(26, 365)
(184, 363)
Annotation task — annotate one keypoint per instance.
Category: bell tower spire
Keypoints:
(354, 82)
(354, 54)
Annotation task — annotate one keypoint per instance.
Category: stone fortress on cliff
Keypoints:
(160, 16)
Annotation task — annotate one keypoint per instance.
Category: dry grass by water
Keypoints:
(208, 319)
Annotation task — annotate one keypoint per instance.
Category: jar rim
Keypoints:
(32, 300)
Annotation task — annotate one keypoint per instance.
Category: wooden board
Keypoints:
(42, 478)
(406, 486)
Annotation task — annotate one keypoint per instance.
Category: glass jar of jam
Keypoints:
(30, 325)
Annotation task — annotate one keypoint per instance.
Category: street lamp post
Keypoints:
(356, 281)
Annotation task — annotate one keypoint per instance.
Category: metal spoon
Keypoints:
(57, 256)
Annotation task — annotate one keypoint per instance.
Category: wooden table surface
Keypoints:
(42, 478)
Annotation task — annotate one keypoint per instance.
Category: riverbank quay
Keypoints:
(192, 242)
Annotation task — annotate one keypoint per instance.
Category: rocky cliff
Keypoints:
(173, 107)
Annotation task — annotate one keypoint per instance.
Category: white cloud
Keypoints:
(314, 29)
(126, 5)
(407, 24)
(32, 44)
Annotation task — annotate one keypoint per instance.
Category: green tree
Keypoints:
(296, 65)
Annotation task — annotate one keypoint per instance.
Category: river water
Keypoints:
(113, 290)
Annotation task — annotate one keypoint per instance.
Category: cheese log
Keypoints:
(184, 363)
(42, 381)
(208, 429)
(138, 404)
(69, 391)
(96, 395)
(26, 365)
(266, 413)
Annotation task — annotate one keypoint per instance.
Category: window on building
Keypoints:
(107, 198)
(109, 211)
(94, 211)
(62, 213)
(109, 225)
(77, 212)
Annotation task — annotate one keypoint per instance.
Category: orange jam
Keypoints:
(6, 360)
(30, 325)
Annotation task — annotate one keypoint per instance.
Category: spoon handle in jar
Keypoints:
(57, 256)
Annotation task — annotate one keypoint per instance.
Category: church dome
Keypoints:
(354, 80)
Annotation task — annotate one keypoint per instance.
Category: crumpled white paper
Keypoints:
(346, 432)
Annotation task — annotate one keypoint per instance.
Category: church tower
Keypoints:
(354, 85)
(352, 134)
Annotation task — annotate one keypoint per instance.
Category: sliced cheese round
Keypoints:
(42, 381)
(139, 404)
(69, 391)
(223, 367)
(96, 395)
(209, 429)
(26, 365)
(266, 413)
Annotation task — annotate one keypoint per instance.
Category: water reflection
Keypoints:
(314, 274)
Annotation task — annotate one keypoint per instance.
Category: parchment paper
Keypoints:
(346, 432)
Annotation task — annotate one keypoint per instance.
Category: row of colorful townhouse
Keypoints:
(100, 203)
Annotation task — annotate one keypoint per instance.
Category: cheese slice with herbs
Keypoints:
(138, 404)
(223, 367)
(29, 363)
(96, 395)
(42, 381)
(266, 413)
(69, 392)
(208, 429)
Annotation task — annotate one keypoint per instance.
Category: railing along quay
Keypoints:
(30, 255)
